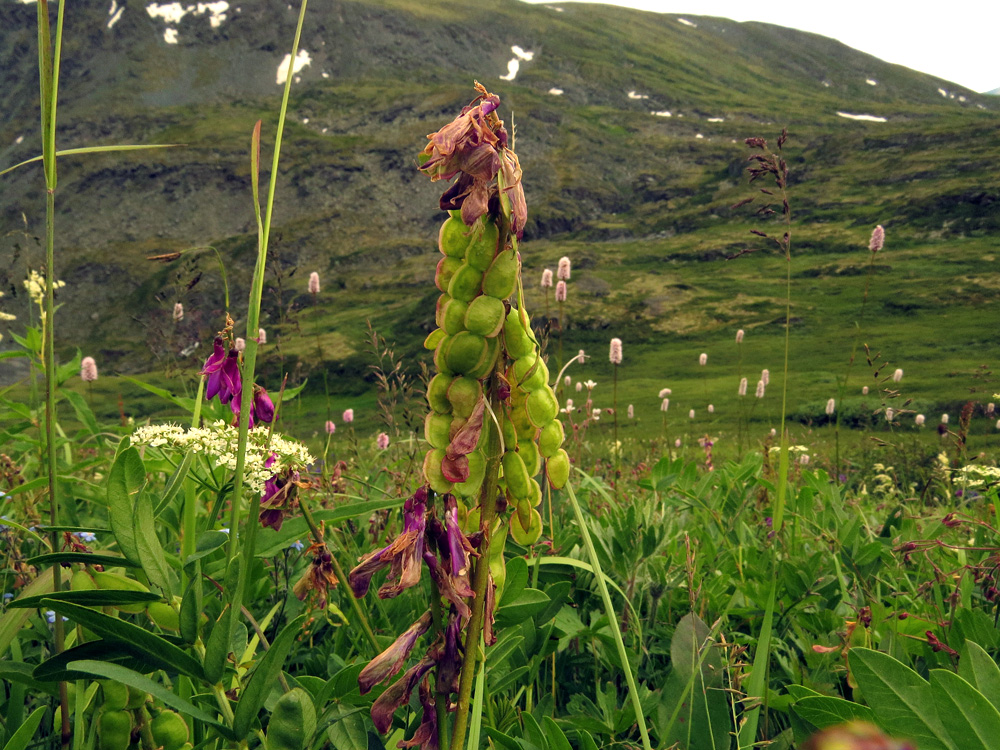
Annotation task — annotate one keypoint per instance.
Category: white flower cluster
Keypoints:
(6, 317)
(35, 284)
(219, 441)
(974, 476)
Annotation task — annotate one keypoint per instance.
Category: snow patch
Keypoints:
(866, 118)
(301, 60)
(943, 93)
(172, 13)
(687, 23)
(521, 53)
(716, 119)
(555, 92)
(635, 95)
(553, 7)
(871, 82)
(699, 135)
(305, 120)
(512, 67)
(826, 84)
(325, 74)
(20, 139)
(115, 13)
(961, 98)
(662, 113)
(170, 35)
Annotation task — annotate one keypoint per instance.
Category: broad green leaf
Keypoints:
(125, 483)
(980, 671)
(555, 735)
(174, 484)
(292, 721)
(55, 669)
(348, 733)
(24, 734)
(147, 543)
(14, 619)
(970, 719)
(263, 678)
(95, 598)
(146, 685)
(187, 404)
(693, 717)
(109, 561)
(826, 711)
(207, 544)
(111, 628)
(497, 655)
(502, 740)
(18, 671)
(533, 733)
(692, 650)
(528, 603)
(218, 646)
(511, 678)
(517, 579)
(83, 412)
(900, 698)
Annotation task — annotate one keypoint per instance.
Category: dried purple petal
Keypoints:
(398, 694)
(390, 661)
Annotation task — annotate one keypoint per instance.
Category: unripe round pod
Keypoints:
(508, 432)
(557, 468)
(442, 302)
(441, 355)
(115, 582)
(82, 581)
(437, 429)
(437, 393)
(477, 472)
(516, 475)
(536, 493)
(432, 471)
(542, 406)
(529, 373)
(501, 278)
(164, 616)
(522, 424)
(516, 338)
(486, 366)
(453, 319)
(526, 536)
(453, 239)
(446, 269)
(114, 730)
(136, 698)
(169, 730)
(463, 395)
(465, 284)
(115, 695)
(551, 438)
(528, 452)
(479, 254)
(466, 352)
(293, 721)
(434, 338)
(485, 316)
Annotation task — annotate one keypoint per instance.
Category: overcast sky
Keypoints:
(958, 41)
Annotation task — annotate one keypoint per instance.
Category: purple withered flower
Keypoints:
(515, 192)
(426, 736)
(398, 694)
(390, 661)
(263, 407)
(279, 494)
(402, 556)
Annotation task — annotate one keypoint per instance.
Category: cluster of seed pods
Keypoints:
(480, 333)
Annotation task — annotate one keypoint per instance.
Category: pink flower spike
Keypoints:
(314, 283)
(382, 441)
(88, 370)
(561, 291)
(563, 272)
(330, 427)
(348, 416)
(877, 241)
(547, 278)
(615, 354)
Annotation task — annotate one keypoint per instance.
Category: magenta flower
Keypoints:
(330, 427)
(403, 556)
(390, 661)
(382, 441)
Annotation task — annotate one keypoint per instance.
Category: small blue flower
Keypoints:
(7, 595)
(224, 531)
(86, 536)
(297, 545)
(51, 616)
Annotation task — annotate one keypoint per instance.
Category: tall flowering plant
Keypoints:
(491, 427)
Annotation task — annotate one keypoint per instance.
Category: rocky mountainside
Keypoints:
(629, 126)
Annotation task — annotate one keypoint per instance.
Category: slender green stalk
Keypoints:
(440, 690)
(618, 452)
(609, 610)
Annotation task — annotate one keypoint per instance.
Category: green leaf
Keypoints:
(13, 620)
(218, 646)
(20, 739)
(147, 543)
(555, 735)
(502, 740)
(980, 671)
(174, 484)
(970, 719)
(513, 677)
(825, 711)
(901, 699)
(111, 628)
(125, 482)
(497, 655)
(18, 671)
(517, 579)
(692, 651)
(207, 544)
(270, 542)
(95, 598)
(528, 603)
(292, 722)
(187, 404)
(90, 150)
(146, 685)
(108, 561)
(348, 733)
(263, 678)
(55, 669)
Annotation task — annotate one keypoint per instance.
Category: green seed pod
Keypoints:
(432, 471)
(485, 316)
(486, 366)
(446, 269)
(293, 721)
(169, 730)
(517, 340)
(136, 698)
(115, 582)
(558, 469)
(437, 393)
(536, 493)
(114, 730)
(82, 581)
(453, 319)
(164, 616)
(434, 338)
(443, 300)
(523, 426)
(477, 472)
(479, 254)
(542, 406)
(437, 429)
(465, 284)
(115, 695)
(526, 534)
(441, 355)
(508, 432)
(551, 438)
(466, 352)
(453, 238)
(463, 395)
(501, 278)
(516, 475)
(529, 373)
(528, 452)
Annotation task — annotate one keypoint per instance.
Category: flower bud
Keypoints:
(314, 283)
(878, 239)
(88, 370)
(330, 427)
(616, 351)
(547, 278)
(739, 336)
(831, 404)
(703, 359)
(563, 269)
(561, 291)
